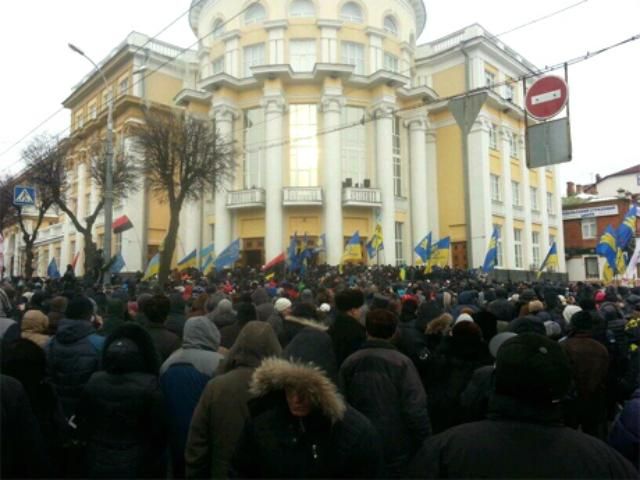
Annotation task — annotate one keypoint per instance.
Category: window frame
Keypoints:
(590, 225)
(397, 156)
(535, 248)
(254, 47)
(348, 52)
(399, 242)
(516, 197)
(591, 261)
(493, 136)
(533, 197)
(299, 149)
(390, 30)
(391, 62)
(517, 248)
(251, 159)
(307, 56)
(488, 75)
(306, 14)
(496, 194)
(350, 17)
(550, 206)
(256, 20)
(353, 145)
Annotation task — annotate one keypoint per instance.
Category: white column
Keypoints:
(332, 109)
(81, 211)
(232, 56)
(557, 197)
(544, 215)
(224, 116)
(508, 247)
(384, 170)
(133, 251)
(375, 53)
(480, 215)
(274, 108)
(432, 183)
(418, 180)
(526, 203)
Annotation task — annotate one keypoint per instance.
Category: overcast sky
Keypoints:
(39, 70)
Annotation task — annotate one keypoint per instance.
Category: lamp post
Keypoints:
(108, 187)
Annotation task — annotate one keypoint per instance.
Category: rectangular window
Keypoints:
(217, 66)
(509, 92)
(399, 249)
(254, 136)
(535, 243)
(302, 55)
(303, 146)
(493, 136)
(123, 86)
(591, 267)
(552, 240)
(513, 145)
(253, 55)
(79, 120)
(496, 191)
(515, 193)
(550, 208)
(589, 228)
(489, 79)
(106, 96)
(390, 62)
(353, 146)
(533, 192)
(93, 111)
(117, 244)
(353, 54)
(499, 256)
(517, 245)
(397, 162)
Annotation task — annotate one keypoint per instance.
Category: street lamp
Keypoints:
(108, 187)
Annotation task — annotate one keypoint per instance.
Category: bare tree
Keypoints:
(52, 170)
(184, 157)
(7, 210)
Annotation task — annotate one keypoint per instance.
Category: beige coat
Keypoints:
(34, 327)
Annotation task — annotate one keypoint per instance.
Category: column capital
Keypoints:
(332, 103)
(418, 121)
(504, 131)
(482, 123)
(273, 103)
(222, 111)
(383, 109)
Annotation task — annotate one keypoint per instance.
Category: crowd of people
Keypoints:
(366, 372)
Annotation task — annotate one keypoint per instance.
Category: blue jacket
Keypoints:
(625, 434)
(73, 355)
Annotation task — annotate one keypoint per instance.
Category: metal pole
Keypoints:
(108, 187)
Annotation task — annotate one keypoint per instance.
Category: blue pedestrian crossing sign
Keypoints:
(24, 196)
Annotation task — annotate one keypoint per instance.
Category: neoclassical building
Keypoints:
(340, 122)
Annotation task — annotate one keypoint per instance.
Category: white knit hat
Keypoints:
(282, 304)
(464, 317)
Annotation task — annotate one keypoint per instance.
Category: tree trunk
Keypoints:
(169, 245)
(90, 250)
(28, 260)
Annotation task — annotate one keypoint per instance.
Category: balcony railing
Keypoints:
(52, 232)
(301, 196)
(361, 197)
(253, 197)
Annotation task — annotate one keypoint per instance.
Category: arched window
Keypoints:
(255, 14)
(390, 25)
(302, 8)
(217, 29)
(351, 12)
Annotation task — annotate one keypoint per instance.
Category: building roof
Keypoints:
(627, 171)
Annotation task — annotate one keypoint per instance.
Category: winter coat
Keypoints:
(121, 415)
(22, 448)
(412, 342)
(223, 314)
(166, 341)
(384, 385)
(276, 320)
(220, 415)
(333, 441)
(450, 372)
(199, 347)
(474, 400)
(73, 355)
(9, 329)
(503, 309)
(347, 335)
(625, 433)
(293, 325)
(518, 440)
(34, 326)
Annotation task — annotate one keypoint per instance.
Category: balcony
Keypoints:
(251, 198)
(50, 233)
(361, 197)
(293, 196)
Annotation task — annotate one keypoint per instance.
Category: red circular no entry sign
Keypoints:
(546, 97)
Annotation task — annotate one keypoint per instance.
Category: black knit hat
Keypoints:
(582, 321)
(533, 368)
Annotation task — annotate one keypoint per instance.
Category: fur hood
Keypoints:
(275, 374)
(307, 322)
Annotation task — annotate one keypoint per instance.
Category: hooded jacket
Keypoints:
(121, 415)
(199, 347)
(293, 325)
(34, 327)
(73, 355)
(333, 441)
(222, 410)
(625, 433)
(223, 314)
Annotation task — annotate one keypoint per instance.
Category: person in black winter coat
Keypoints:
(384, 385)
(156, 310)
(74, 353)
(22, 449)
(303, 315)
(246, 313)
(523, 436)
(347, 333)
(121, 415)
(300, 427)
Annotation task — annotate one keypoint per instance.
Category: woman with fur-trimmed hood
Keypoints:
(300, 426)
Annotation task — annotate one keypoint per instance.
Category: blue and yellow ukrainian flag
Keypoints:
(551, 260)
(153, 267)
(627, 229)
(190, 261)
(376, 243)
(353, 250)
(491, 258)
(607, 248)
(206, 256)
(439, 256)
(423, 249)
(228, 256)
